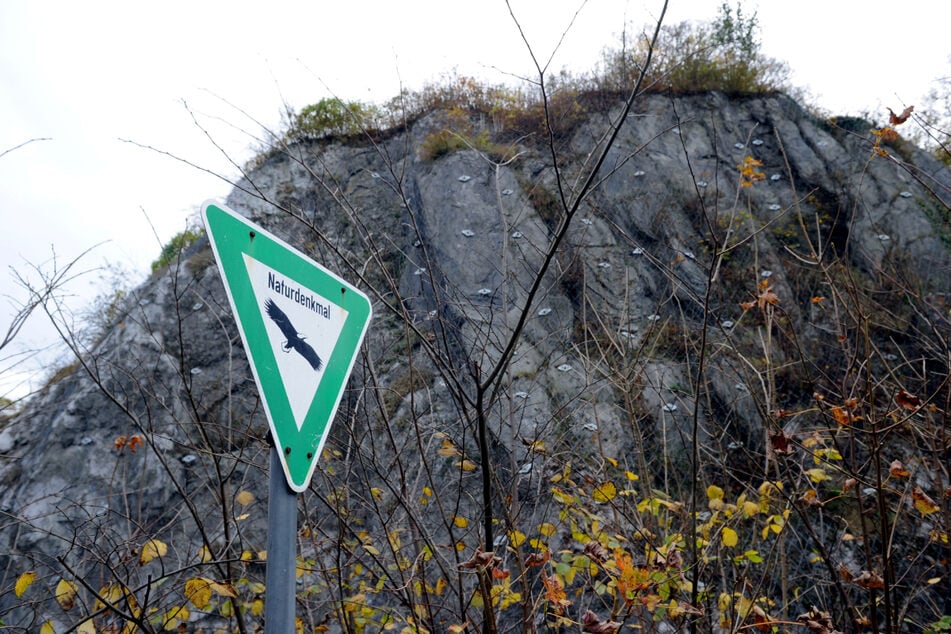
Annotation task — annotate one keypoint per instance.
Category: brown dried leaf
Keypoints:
(870, 581)
(780, 444)
(898, 470)
(596, 551)
(898, 119)
(591, 622)
(907, 401)
(537, 559)
(818, 622)
(482, 559)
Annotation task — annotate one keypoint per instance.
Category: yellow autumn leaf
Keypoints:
(517, 538)
(466, 465)
(613, 461)
(817, 475)
(257, 607)
(256, 587)
(750, 509)
(198, 592)
(66, 594)
(457, 628)
(204, 554)
(152, 549)
(715, 497)
(244, 498)
(247, 555)
(175, 616)
(242, 517)
(604, 492)
(47, 628)
(223, 588)
(448, 449)
(547, 529)
(86, 627)
(729, 537)
(24, 581)
(459, 522)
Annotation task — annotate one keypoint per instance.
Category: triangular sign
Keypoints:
(301, 326)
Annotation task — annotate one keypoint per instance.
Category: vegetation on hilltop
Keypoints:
(724, 54)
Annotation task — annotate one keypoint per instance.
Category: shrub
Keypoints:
(723, 54)
(175, 246)
(333, 117)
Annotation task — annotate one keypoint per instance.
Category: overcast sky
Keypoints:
(89, 75)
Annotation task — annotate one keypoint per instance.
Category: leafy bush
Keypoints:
(333, 117)
(175, 246)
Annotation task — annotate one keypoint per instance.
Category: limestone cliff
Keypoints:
(545, 359)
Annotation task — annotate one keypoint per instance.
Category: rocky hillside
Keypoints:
(733, 327)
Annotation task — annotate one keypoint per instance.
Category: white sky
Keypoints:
(87, 74)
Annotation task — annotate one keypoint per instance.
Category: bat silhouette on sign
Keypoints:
(294, 341)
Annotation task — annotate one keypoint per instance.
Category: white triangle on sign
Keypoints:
(303, 329)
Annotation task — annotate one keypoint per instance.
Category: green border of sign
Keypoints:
(231, 236)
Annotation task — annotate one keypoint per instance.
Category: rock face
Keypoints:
(528, 349)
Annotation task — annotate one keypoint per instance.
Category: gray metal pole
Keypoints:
(280, 575)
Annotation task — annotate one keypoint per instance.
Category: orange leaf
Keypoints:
(842, 417)
(810, 498)
(555, 592)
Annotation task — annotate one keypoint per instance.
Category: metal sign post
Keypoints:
(280, 577)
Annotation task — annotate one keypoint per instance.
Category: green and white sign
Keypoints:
(301, 326)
